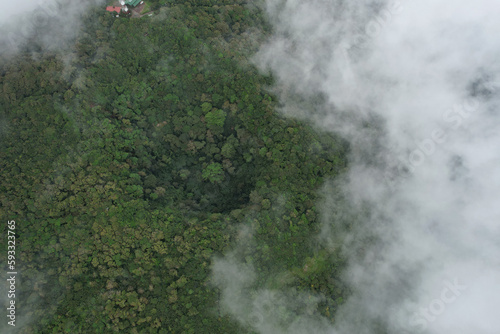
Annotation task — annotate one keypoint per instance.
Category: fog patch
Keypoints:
(414, 87)
(37, 26)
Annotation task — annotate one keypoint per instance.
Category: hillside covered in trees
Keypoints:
(132, 160)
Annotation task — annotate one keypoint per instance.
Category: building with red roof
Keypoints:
(114, 9)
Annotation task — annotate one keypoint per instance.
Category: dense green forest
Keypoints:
(132, 160)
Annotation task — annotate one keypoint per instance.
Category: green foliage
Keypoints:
(228, 150)
(206, 107)
(215, 118)
(213, 173)
(129, 165)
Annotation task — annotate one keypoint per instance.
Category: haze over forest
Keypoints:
(280, 166)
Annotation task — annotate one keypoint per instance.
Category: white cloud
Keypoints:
(428, 72)
(51, 23)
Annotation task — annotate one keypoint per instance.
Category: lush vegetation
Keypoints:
(129, 163)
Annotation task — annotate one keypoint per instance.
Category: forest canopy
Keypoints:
(131, 161)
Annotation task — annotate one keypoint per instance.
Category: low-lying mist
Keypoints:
(414, 87)
(39, 26)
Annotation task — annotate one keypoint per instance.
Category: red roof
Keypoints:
(114, 9)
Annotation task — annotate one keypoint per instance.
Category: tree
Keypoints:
(213, 173)
(215, 119)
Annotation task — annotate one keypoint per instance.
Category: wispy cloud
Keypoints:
(50, 24)
(419, 102)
